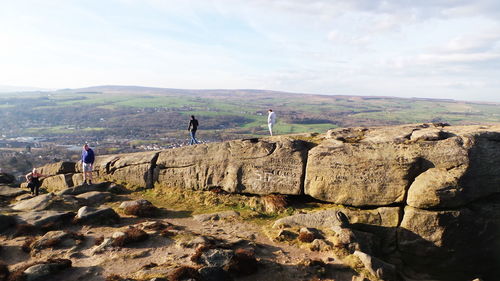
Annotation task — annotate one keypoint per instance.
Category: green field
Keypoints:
(149, 113)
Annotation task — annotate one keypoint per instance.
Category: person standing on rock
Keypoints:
(87, 163)
(193, 126)
(33, 179)
(271, 120)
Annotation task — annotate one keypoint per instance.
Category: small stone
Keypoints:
(286, 235)
(107, 242)
(377, 267)
(216, 216)
(217, 257)
(320, 245)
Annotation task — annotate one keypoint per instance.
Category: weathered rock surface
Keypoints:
(134, 170)
(217, 257)
(54, 238)
(474, 176)
(383, 216)
(57, 182)
(102, 216)
(216, 216)
(94, 197)
(40, 218)
(83, 189)
(7, 191)
(453, 166)
(43, 271)
(36, 203)
(452, 244)
(58, 168)
(245, 166)
(377, 267)
(431, 190)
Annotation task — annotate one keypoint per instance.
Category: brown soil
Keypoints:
(276, 261)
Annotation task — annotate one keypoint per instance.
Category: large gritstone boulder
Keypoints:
(134, 170)
(57, 182)
(361, 168)
(92, 216)
(58, 168)
(246, 166)
(452, 244)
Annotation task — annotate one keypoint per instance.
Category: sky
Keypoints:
(404, 48)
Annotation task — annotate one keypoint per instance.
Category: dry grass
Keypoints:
(143, 211)
(184, 272)
(132, 235)
(198, 252)
(275, 203)
(306, 237)
(243, 263)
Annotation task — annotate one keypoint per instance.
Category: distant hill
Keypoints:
(9, 89)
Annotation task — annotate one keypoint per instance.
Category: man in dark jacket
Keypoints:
(87, 163)
(193, 126)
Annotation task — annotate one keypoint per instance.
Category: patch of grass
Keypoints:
(132, 235)
(183, 273)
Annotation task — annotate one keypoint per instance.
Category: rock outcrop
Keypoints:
(247, 166)
(431, 193)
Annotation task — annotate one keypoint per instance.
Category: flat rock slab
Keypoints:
(40, 218)
(6, 191)
(41, 272)
(383, 216)
(84, 188)
(216, 216)
(49, 237)
(95, 197)
(36, 203)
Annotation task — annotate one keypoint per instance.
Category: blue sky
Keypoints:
(435, 49)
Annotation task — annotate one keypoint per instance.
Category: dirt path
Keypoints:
(277, 261)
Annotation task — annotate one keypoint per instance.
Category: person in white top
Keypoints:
(271, 120)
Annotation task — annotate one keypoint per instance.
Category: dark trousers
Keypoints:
(34, 187)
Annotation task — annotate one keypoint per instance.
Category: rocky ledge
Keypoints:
(431, 194)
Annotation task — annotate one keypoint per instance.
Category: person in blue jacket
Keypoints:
(87, 163)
